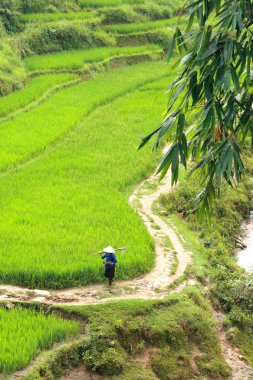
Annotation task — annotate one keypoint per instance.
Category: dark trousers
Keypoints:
(109, 273)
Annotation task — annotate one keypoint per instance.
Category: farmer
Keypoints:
(110, 263)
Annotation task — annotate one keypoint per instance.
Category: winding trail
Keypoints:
(153, 285)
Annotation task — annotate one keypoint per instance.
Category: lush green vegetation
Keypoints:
(49, 17)
(106, 3)
(210, 84)
(64, 110)
(140, 27)
(68, 165)
(66, 219)
(62, 35)
(34, 89)
(214, 246)
(50, 6)
(12, 74)
(24, 333)
(76, 59)
(177, 336)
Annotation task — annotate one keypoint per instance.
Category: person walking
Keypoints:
(110, 262)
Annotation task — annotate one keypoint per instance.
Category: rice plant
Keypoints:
(49, 17)
(76, 59)
(106, 3)
(24, 333)
(34, 89)
(73, 200)
(31, 132)
(144, 26)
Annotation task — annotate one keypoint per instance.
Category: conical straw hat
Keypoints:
(109, 249)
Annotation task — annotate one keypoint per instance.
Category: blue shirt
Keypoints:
(110, 257)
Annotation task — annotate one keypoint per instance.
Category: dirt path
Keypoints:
(151, 285)
(240, 369)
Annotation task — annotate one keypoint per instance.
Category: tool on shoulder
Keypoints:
(111, 250)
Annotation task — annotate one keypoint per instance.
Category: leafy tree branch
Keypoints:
(214, 89)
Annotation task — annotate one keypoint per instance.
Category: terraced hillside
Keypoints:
(81, 82)
(68, 139)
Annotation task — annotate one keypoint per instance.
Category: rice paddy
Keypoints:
(34, 89)
(32, 132)
(24, 333)
(49, 17)
(73, 199)
(106, 3)
(76, 59)
(68, 163)
(144, 26)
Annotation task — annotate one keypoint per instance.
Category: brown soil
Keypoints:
(80, 373)
(239, 368)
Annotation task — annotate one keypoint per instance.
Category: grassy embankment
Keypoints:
(78, 59)
(12, 73)
(143, 27)
(49, 17)
(35, 88)
(143, 340)
(213, 250)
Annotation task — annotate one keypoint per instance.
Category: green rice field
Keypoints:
(70, 200)
(68, 158)
(34, 89)
(106, 3)
(49, 17)
(68, 165)
(30, 133)
(76, 59)
(144, 26)
(24, 333)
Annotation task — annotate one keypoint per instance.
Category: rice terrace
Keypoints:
(126, 190)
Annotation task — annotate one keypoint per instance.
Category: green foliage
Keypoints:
(244, 341)
(37, 6)
(135, 371)
(168, 334)
(153, 11)
(142, 27)
(24, 333)
(52, 17)
(77, 59)
(178, 336)
(103, 355)
(54, 362)
(120, 15)
(12, 74)
(215, 244)
(66, 219)
(215, 86)
(62, 35)
(9, 12)
(159, 37)
(129, 14)
(164, 365)
(106, 3)
(34, 89)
